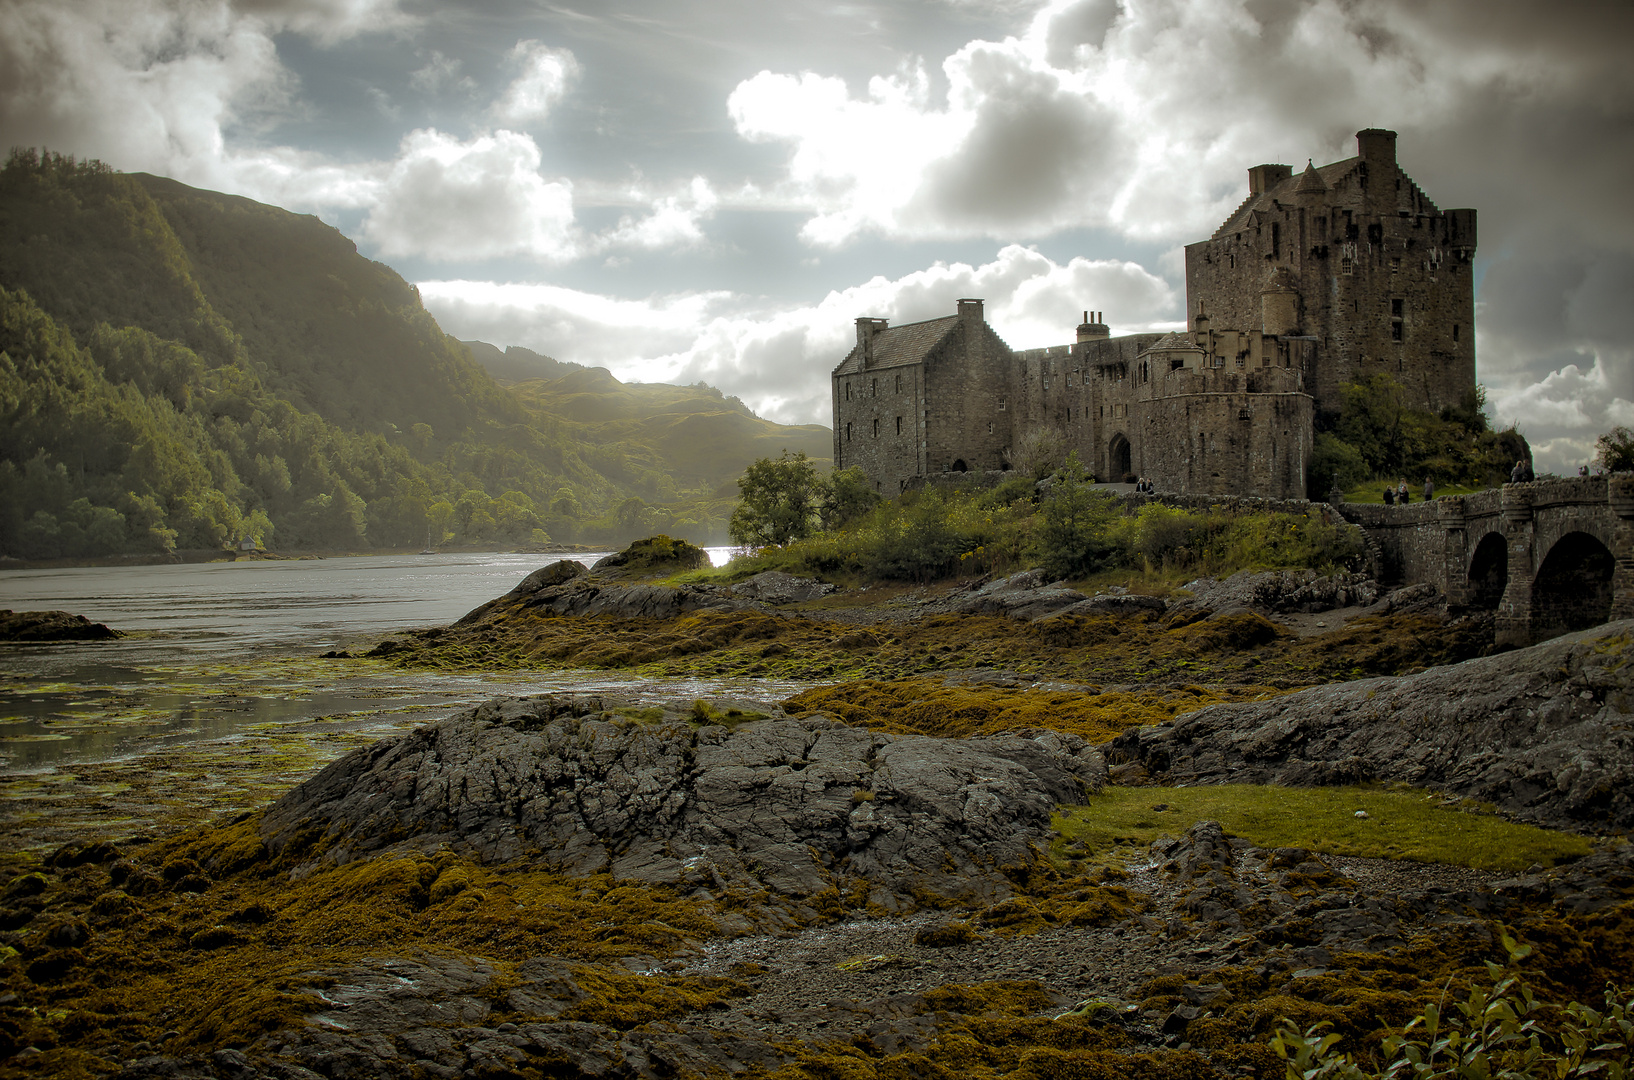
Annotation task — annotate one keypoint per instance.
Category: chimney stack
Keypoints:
(866, 329)
(1093, 328)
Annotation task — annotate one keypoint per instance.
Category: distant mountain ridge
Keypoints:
(181, 368)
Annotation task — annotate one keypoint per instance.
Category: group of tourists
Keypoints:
(1400, 494)
(1144, 486)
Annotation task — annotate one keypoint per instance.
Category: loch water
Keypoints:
(217, 649)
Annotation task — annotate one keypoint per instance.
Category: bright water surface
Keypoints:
(218, 648)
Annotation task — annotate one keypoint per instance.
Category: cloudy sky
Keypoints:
(715, 189)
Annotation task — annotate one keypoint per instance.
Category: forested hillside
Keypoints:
(179, 368)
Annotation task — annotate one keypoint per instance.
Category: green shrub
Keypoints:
(1500, 1031)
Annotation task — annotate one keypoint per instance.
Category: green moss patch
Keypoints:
(1405, 823)
(928, 707)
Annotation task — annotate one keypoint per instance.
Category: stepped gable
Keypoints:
(1285, 191)
(895, 345)
(1316, 179)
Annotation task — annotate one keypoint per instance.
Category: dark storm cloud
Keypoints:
(564, 138)
(1033, 146)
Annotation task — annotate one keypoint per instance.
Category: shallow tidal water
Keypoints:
(220, 652)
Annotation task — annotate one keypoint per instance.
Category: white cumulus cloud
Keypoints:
(545, 75)
(482, 198)
(778, 359)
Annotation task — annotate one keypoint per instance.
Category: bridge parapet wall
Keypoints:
(1411, 539)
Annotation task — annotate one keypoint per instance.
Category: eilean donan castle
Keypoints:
(1316, 280)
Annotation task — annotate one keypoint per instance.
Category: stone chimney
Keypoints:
(866, 329)
(1377, 149)
(970, 311)
(1263, 178)
(1094, 327)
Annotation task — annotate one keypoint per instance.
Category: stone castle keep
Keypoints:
(1316, 280)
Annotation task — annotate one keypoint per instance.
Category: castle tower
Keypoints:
(1355, 256)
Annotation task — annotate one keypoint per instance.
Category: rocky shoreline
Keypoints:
(876, 880)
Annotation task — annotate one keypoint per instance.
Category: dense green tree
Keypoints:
(778, 501)
(1071, 538)
(1379, 434)
(1614, 451)
(846, 497)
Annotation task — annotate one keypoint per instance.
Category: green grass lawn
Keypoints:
(1403, 823)
(1372, 491)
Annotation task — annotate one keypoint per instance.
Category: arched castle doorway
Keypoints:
(1572, 589)
(1117, 459)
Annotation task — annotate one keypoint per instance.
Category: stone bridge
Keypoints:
(1550, 556)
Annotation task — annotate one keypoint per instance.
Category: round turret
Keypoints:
(1311, 186)
(1279, 302)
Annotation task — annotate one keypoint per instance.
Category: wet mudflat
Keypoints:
(219, 697)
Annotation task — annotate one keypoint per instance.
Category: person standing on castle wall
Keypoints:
(1389, 495)
(1429, 490)
(1403, 496)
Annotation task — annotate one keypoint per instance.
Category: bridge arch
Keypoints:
(1488, 572)
(1572, 589)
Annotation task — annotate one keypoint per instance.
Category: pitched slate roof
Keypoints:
(1171, 342)
(896, 345)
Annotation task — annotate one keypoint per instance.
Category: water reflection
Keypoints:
(222, 649)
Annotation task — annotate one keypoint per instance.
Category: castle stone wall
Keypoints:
(865, 424)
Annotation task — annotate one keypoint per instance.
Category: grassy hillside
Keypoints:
(179, 368)
(705, 438)
(516, 364)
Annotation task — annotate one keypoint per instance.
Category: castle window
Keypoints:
(873, 390)
(848, 431)
(1233, 261)
(1397, 312)
(876, 427)
(1455, 331)
(848, 391)
(1346, 266)
(899, 425)
(1001, 404)
(1395, 266)
(990, 427)
(899, 384)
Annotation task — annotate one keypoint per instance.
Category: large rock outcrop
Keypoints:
(1546, 733)
(1030, 595)
(794, 806)
(51, 626)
